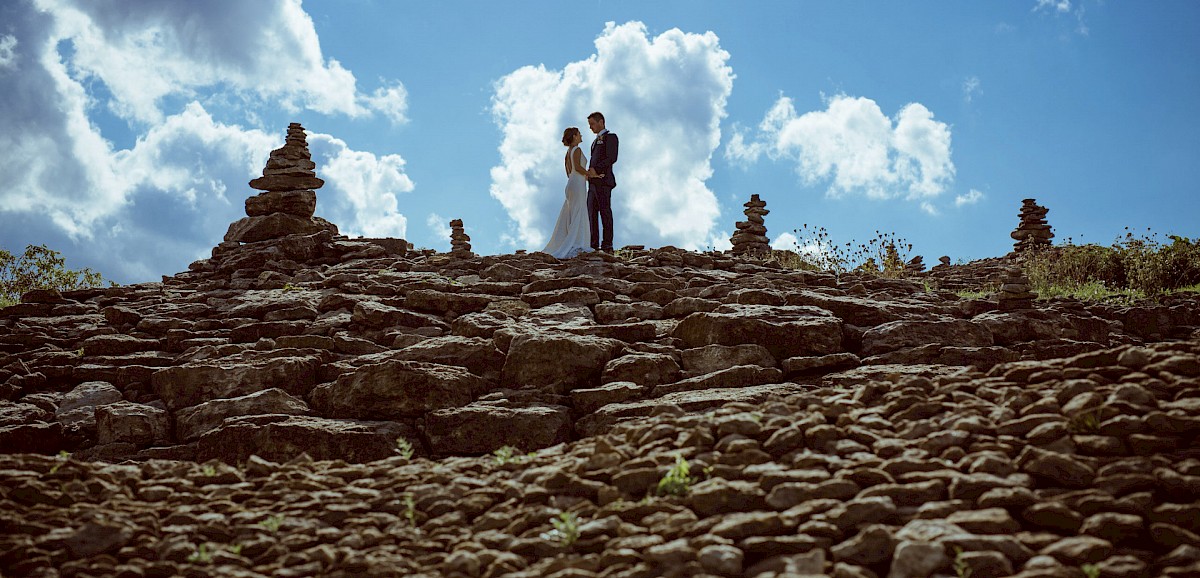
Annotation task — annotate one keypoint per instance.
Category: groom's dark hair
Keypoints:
(596, 115)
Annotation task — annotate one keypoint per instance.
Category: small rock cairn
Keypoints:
(1014, 290)
(751, 235)
(289, 201)
(460, 242)
(943, 263)
(1033, 232)
(915, 265)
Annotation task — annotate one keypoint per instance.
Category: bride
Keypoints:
(572, 232)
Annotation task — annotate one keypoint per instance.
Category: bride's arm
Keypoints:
(576, 157)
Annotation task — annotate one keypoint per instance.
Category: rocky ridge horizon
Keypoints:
(245, 418)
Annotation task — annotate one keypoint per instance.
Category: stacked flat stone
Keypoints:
(460, 242)
(751, 235)
(915, 265)
(943, 263)
(1014, 290)
(290, 199)
(1033, 232)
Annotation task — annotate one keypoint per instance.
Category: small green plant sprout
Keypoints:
(79, 352)
(65, 455)
(236, 549)
(507, 454)
(272, 523)
(289, 287)
(200, 556)
(676, 482)
(961, 568)
(1090, 570)
(1087, 422)
(405, 447)
(410, 508)
(566, 529)
(208, 470)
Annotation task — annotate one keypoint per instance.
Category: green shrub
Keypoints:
(1132, 267)
(40, 268)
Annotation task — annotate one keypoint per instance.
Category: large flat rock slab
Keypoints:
(482, 427)
(192, 384)
(557, 362)
(397, 389)
(280, 438)
(607, 416)
(784, 330)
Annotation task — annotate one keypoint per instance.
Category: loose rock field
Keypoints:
(247, 418)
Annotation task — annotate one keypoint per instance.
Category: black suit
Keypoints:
(604, 155)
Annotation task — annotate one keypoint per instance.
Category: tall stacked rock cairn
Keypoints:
(751, 235)
(290, 199)
(314, 405)
(460, 241)
(1033, 232)
(1014, 290)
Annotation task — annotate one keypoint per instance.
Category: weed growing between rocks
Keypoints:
(961, 568)
(272, 523)
(200, 556)
(410, 508)
(64, 455)
(677, 481)
(510, 455)
(566, 529)
(405, 448)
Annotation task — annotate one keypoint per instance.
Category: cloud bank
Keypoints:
(169, 70)
(854, 147)
(663, 96)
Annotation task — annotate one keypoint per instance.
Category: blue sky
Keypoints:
(130, 129)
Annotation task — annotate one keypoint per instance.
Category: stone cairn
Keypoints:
(1014, 290)
(915, 265)
(460, 241)
(943, 263)
(1033, 232)
(290, 199)
(751, 235)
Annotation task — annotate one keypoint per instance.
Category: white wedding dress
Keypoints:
(572, 233)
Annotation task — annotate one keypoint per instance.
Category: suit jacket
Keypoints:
(604, 155)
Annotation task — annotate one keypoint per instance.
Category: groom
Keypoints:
(604, 154)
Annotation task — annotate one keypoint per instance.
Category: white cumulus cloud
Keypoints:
(855, 147)
(973, 196)
(360, 188)
(785, 241)
(264, 50)
(663, 96)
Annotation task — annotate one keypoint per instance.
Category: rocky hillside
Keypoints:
(306, 404)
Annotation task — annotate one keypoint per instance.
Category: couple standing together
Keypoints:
(589, 194)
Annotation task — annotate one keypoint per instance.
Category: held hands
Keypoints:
(592, 174)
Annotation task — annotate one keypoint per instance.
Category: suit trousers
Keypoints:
(600, 213)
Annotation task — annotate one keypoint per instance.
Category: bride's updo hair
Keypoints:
(569, 135)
